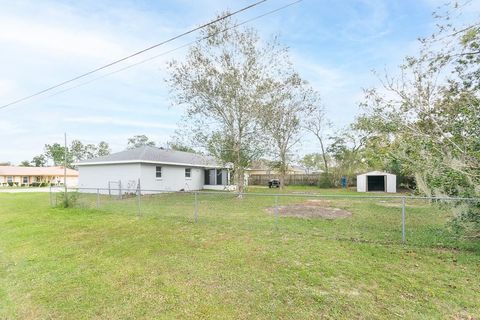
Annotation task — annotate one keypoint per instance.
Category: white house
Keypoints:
(155, 169)
(377, 181)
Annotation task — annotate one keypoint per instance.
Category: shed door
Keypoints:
(376, 183)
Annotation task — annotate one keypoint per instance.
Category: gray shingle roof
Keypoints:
(154, 155)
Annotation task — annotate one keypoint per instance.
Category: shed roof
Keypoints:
(147, 154)
(376, 173)
(36, 171)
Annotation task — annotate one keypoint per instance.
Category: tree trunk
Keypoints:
(324, 156)
(240, 180)
(282, 169)
(239, 172)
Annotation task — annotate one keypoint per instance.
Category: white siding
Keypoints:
(98, 176)
(173, 178)
(362, 183)
(391, 183)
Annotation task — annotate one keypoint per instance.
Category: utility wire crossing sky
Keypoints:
(333, 44)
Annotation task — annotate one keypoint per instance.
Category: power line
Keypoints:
(133, 54)
(177, 48)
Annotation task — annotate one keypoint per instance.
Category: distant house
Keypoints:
(154, 169)
(27, 176)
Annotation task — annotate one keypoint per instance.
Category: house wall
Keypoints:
(98, 176)
(173, 178)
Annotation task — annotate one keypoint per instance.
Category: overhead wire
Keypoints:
(133, 54)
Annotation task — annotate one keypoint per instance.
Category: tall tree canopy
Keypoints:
(139, 141)
(429, 115)
(224, 84)
(290, 102)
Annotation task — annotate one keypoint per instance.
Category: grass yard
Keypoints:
(236, 262)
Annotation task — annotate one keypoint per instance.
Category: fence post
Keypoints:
(120, 189)
(98, 198)
(196, 207)
(276, 212)
(403, 220)
(139, 194)
(51, 204)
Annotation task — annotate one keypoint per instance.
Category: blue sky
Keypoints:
(334, 44)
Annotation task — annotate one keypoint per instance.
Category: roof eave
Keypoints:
(79, 164)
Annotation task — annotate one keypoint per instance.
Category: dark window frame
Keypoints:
(158, 172)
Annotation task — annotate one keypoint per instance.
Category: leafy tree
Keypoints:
(139, 141)
(25, 163)
(223, 84)
(56, 153)
(181, 147)
(313, 162)
(80, 151)
(39, 161)
(289, 103)
(431, 114)
(346, 150)
(103, 149)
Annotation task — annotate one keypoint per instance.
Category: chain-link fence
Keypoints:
(383, 219)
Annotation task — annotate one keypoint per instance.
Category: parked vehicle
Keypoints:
(274, 183)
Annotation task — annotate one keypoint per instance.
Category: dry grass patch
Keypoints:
(311, 209)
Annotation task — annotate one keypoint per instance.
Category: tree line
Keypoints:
(77, 151)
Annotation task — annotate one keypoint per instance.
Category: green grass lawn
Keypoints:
(236, 262)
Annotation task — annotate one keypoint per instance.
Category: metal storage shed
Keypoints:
(377, 181)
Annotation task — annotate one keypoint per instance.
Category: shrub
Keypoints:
(68, 201)
(466, 222)
(325, 181)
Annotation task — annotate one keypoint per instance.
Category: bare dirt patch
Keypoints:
(311, 209)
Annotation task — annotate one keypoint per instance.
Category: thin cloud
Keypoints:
(120, 122)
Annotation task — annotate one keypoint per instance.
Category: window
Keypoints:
(25, 180)
(158, 172)
(214, 177)
(188, 172)
(9, 179)
(219, 177)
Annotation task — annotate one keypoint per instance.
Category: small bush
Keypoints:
(325, 181)
(69, 201)
(466, 222)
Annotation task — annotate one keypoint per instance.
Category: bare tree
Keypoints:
(290, 101)
(223, 84)
(317, 124)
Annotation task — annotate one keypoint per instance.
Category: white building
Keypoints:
(155, 169)
(377, 181)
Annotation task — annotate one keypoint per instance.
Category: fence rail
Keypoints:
(380, 218)
(311, 179)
